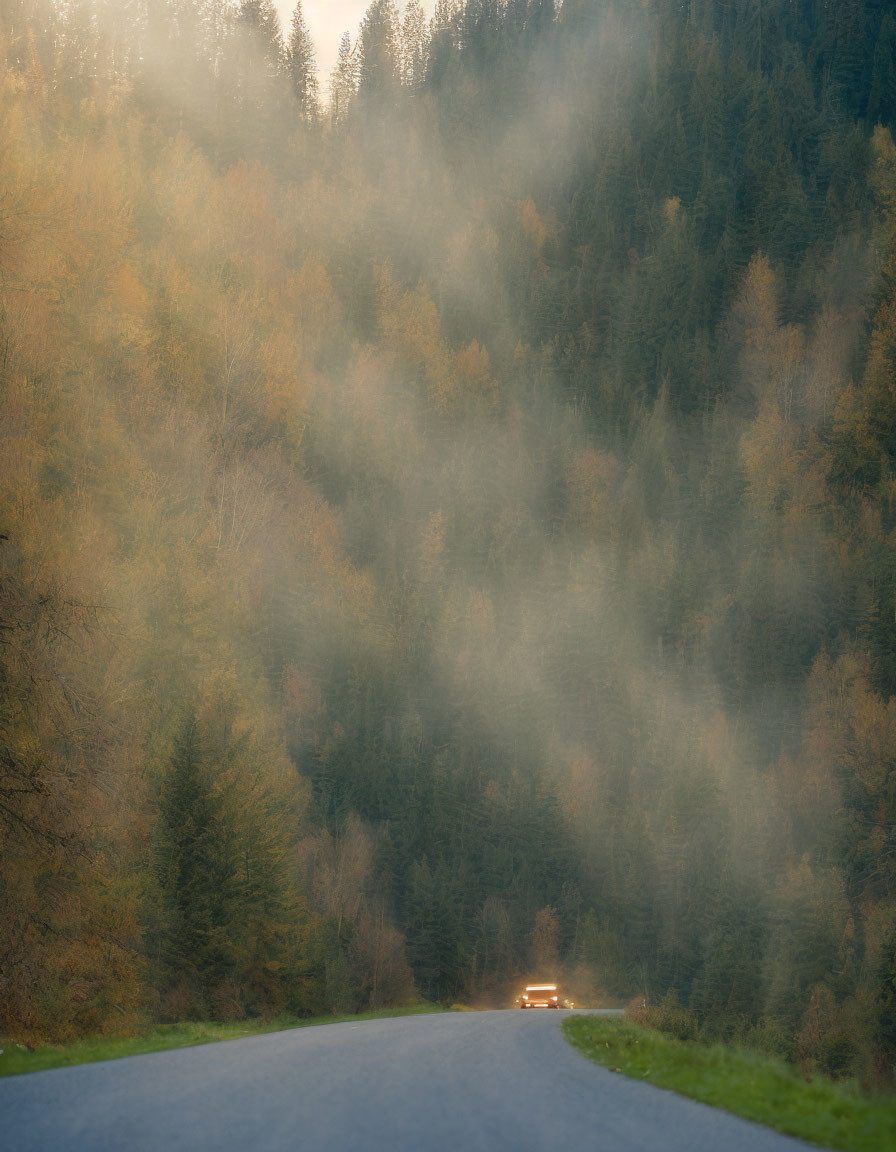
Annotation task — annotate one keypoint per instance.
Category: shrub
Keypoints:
(671, 1017)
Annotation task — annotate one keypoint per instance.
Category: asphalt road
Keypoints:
(502, 1081)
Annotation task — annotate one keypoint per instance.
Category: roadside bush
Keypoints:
(830, 1035)
(726, 1029)
(771, 1038)
(671, 1017)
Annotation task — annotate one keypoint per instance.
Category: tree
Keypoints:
(195, 873)
(414, 46)
(885, 1003)
(444, 41)
(544, 941)
(378, 959)
(68, 934)
(261, 19)
(435, 941)
(481, 33)
(255, 72)
(882, 93)
(378, 71)
(301, 67)
(344, 80)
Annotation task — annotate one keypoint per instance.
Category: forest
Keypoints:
(448, 514)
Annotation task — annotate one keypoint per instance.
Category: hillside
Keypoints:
(448, 517)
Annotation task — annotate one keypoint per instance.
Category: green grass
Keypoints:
(757, 1087)
(16, 1058)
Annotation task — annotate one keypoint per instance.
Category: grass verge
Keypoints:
(757, 1087)
(16, 1058)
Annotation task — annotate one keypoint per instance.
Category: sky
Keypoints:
(327, 20)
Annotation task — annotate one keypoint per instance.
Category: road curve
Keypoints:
(501, 1081)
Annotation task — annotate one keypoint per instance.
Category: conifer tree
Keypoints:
(254, 77)
(413, 46)
(344, 80)
(885, 1006)
(260, 17)
(378, 73)
(882, 93)
(301, 66)
(195, 877)
(444, 41)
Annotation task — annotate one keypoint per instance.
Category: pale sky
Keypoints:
(327, 20)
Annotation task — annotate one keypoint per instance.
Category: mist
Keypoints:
(474, 479)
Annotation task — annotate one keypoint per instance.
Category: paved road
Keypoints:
(501, 1081)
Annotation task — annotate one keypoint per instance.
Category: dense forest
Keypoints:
(448, 513)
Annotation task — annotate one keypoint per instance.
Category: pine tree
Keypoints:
(195, 877)
(885, 1006)
(344, 80)
(444, 41)
(414, 45)
(260, 17)
(253, 69)
(378, 74)
(882, 94)
(301, 67)
(481, 32)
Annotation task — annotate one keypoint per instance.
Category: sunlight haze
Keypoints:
(448, 543)
(327, 20)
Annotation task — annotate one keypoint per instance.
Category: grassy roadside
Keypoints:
(749, 1084)
(15, 1058)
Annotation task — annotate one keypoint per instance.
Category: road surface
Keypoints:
(496, 1081)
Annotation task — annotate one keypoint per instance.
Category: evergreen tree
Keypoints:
(481, 33)
(195, 872)
(301, 67)
(882, 94)
(444, 41)
(379, 63)
(414, 46)
(885, 1005)
(260, 17)
(252, 75)
(344, 80)
(435, 940)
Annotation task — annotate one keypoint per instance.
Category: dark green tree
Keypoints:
(195, 873)
(885, 1003)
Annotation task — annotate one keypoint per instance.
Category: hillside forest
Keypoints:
(448, 514)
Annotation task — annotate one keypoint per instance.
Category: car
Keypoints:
(540, 996)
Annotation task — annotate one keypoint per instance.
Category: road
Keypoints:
(501, 1081)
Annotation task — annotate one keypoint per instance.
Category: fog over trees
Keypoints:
(448, 513)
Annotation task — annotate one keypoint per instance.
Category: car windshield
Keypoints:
(541, 991)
